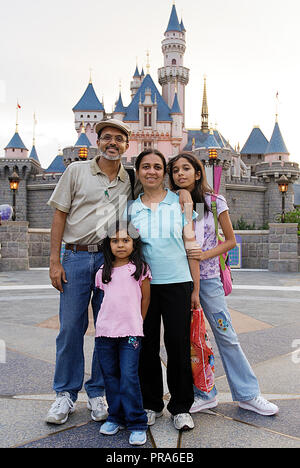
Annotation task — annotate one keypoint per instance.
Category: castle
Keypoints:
(157, 119)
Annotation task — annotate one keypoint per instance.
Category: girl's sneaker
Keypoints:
(109, 428)
(260, 405)
(138, 438)
(152, 415)
(201, 405)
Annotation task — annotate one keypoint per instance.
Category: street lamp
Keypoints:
(14, 181)
(83, 153)
(213, 159)
(283, 185)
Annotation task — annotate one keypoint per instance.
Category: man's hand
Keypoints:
(57, 275)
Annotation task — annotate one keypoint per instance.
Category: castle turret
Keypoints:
(136, 83)
(173, 73)
(276, 149)
(90, 110)
(16, 148)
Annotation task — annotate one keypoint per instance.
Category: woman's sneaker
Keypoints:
(60, 409)
(260, 405)
(109, 428)
(183, 422)
(152, 415)
(201, 405)
(138, 438)
(98, 407)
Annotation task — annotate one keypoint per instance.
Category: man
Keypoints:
(88, 197)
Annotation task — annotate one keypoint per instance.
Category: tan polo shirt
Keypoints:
(91, 201)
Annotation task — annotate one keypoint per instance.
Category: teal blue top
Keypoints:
(161, 233)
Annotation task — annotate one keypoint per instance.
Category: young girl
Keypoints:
(125, 280)
(187, 172)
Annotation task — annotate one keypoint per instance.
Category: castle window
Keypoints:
(81, 116)
(88, 116)
(174, 62)
(147, 117)
(95, 116)
(147, 145)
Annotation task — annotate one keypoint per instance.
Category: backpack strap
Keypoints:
(131, 174)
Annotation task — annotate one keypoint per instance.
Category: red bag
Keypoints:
(202, 356)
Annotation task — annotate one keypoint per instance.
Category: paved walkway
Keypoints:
(265, 309)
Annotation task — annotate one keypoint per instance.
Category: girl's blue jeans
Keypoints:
(80, 268)
(241, 379)
(119, 358)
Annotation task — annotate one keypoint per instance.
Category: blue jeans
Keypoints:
(119, 360)
(80, 268)
(241, 379)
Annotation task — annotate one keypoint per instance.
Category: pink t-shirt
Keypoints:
(120, 312)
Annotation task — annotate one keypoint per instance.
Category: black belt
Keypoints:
(93, 248)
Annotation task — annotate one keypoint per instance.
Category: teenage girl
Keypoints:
(187, 172)
(125, 280)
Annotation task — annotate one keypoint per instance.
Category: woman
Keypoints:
(187, 172)
(165, 232)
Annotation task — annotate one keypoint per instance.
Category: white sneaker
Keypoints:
(60, 409)
(201, 405)
(259, 405)
(152, 415)
(183, 422)
(98, 407)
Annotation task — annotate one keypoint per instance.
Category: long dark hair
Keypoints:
(201, 185)
(136, 257)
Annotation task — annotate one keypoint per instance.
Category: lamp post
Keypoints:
(213, 159)
(283, 185)
(14, 181)
(83, 153)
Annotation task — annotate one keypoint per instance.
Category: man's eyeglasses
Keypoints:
(117, 138)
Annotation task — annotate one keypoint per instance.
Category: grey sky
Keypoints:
(249, 50)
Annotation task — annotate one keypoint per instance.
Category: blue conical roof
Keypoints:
(33, 154)
(136, 73)
(173, 22)
(57, 165)
(256, 142)
(89, 101)
(119, 105)
(182, 26)
(276, 144)
(176, 107)
(83, 141)
(163, 110)
(16, 142)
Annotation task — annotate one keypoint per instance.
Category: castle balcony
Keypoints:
(165, 74)
(275, 169)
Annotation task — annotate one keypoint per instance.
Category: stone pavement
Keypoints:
(265, 309)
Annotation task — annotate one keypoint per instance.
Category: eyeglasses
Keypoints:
(117, 138)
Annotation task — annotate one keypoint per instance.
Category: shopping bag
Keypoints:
(202, 356)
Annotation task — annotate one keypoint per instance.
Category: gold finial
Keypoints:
(82, 127)
(148, 62)
(91, 75)
(120, 86)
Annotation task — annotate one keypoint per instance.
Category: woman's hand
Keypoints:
(196, 253)
(195, 301)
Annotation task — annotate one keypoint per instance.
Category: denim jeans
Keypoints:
(80, 268)
(241, 379)
(119, 358)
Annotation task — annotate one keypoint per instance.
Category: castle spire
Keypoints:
(204, 113)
